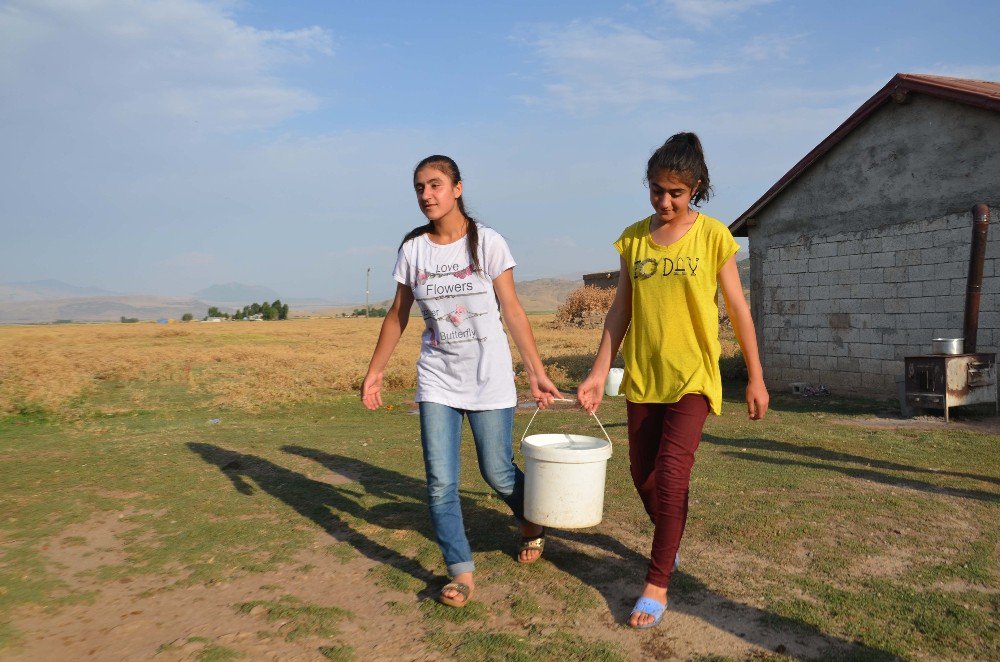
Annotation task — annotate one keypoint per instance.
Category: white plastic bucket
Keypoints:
(613, 384)
(564, 478)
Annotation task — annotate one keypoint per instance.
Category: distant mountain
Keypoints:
(538, 295)
(50, 300)
(577, 275)
(544, 294)
(100, 309)
(309, 304)
(46, 289)
(237, 293)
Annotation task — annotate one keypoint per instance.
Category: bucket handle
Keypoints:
(564, 400)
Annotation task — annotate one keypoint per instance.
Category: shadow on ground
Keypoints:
(328, 506)
(864, 468)
(607, 565)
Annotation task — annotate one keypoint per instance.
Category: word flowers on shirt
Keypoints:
(433, 289)
(664, 266)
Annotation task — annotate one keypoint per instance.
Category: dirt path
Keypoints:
(151, 617)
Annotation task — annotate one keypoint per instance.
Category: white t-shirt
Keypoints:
(465, 359)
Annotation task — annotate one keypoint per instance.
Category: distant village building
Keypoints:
(602, 279)
(859, 254)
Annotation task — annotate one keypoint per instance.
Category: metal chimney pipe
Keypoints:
(974, 286)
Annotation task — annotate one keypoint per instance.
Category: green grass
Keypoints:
(478, 646)
(9, 637)
(209, 653)
(394, 578)
(342, 551)
(214, 653)
(524, 605)
(434, 611)
(879, 541)
(337, 653)
(299, 619)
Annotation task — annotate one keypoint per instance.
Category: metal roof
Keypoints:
(980, 93)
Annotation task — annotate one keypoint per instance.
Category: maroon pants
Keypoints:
(662, 439)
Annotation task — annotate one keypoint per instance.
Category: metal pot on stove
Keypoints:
(950, 346)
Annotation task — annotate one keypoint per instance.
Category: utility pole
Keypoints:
(368, 275)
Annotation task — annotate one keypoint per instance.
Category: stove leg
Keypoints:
(946, 413)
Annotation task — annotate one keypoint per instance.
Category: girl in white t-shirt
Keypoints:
(457, 271)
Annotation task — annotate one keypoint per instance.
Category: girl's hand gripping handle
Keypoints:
(544, 391)
(591, 391)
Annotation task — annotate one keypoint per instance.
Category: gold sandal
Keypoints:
(530, 544)
(462, 589)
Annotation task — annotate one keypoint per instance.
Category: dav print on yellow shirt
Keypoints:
(672, 345)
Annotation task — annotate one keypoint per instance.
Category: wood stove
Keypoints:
(942, 381)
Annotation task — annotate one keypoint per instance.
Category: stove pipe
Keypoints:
(974, 287)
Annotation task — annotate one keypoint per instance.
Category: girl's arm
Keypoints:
(542, 388)
(616, 323)
(739, 315)
(392, 328)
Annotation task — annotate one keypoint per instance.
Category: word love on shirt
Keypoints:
(649, 267)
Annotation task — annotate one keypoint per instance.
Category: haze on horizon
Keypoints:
(163, 147)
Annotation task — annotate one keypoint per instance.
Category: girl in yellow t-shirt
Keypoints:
(672, 264)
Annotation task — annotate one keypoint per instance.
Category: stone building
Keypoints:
(602, 279)
(859, 254)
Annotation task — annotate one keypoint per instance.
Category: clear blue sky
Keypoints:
(161, 147)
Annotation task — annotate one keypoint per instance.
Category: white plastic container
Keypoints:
(613, 384)
(564, 478)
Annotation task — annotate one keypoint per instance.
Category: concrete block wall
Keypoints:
(845, 309)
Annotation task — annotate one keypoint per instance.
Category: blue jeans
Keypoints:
(441, 437)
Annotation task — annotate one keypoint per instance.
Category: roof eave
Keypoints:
(897, 88)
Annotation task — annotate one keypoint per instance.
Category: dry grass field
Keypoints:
(240, 365)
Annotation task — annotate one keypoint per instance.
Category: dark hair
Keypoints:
(682, 154)
(448, 166)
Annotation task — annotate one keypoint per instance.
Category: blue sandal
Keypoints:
(652, 608)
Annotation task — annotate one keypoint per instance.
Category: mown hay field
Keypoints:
(240, 365)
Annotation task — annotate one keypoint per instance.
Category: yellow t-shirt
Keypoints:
(672, 345)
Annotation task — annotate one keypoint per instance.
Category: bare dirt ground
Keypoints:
(154, 617)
